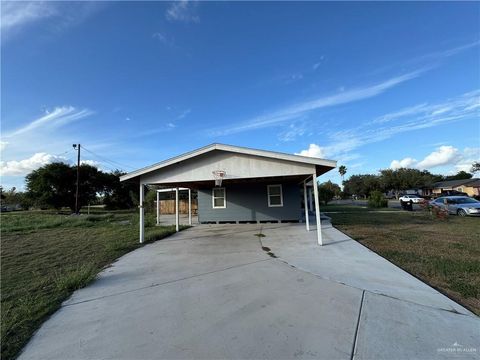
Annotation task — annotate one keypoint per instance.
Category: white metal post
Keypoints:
(189, 206)
(142, 215)
(305, 200)
(317, 208)
(310, 198)
(177, 217)
(158, 208)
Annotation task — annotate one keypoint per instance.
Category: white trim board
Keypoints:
(234, 149)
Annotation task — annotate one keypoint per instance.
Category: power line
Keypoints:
(64, 153)
(107, 167)
(111, 162)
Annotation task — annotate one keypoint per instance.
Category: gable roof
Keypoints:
(234, 149)
(455, 183)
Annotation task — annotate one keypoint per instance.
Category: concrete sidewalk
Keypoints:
(212, 292)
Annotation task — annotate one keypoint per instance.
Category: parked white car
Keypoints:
(414, 199)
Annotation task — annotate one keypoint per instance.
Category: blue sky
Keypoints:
(371, 84)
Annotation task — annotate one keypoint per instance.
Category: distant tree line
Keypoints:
(53, 186)
(397, 181)
(374, 186)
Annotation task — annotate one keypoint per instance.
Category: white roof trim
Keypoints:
(234, 149)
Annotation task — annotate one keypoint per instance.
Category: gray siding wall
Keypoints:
(249, 202)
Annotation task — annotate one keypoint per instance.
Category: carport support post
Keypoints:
(317, 208)
(177, 217)
(310, 197)
(158, 208)
(189, 206)
(142, 215)
(305, 200)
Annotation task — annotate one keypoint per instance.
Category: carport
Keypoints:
(238, 185)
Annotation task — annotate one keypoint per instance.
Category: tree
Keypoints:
(406, 178)
(13, 197)
(327, 191)
(342, 170)
(475, 167)
(461, 175)
(361, 185)
(119, 195)
(53, 185)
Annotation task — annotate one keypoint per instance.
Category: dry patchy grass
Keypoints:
(45, 257)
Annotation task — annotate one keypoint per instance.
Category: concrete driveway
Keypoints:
(219, 291)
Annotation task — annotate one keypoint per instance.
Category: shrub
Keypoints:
(377, 200)
(327, 191)
(440, 213)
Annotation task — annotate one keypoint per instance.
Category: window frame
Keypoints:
(219, 197)
(269, 195)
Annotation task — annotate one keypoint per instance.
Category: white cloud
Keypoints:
(404, 163)
(164, 128)
(292, 132)
(470, 155)
(184, 114)
(17, 14)
(460, 108)
(342, 143)
(466, 104)
(313, 151)
(444, 155)
(160, 37)
(449, 52)
(3, 145)
(163, 38)
(293, 77)
(182, 10)
(300, 109)
(90, 162)
(429, 115)
(47, 133)
(60, 116)
(317, 64)
(413, 110)
(331, 151)
(23, 167)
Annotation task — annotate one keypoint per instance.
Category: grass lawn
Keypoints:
(46, 256)
(444, 254)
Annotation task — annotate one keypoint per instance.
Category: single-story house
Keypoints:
(239, 184)
(469, 186)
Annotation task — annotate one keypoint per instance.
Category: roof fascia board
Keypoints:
(229, 148)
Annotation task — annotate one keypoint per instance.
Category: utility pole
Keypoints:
(77, 147)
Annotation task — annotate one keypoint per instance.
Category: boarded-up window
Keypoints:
(275, 195)
(218, 198)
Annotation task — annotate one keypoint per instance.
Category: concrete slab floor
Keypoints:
(212, 292)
